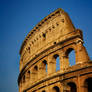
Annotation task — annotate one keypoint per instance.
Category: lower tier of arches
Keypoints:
(78, 80)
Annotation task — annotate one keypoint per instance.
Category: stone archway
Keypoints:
(43, 91)
(70, 55)
(88, 85)
(72, 87)
(56, 89)
(57, 61)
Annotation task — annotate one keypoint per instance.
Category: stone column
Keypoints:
(64, 62)
(27, 77)
(51, 65)
(33, 75)
(78, 84)
(41, 70)
(65, 87)
(85, 88)
(83, 85)
(81, 53)
(48, 89)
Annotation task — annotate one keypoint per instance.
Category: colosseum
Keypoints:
(54, 37)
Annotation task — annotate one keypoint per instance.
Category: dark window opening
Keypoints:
(50, 29)
(39, 25)
(36, 27)
(57, 12)
(57, 24)
(54, 42)
(29, 49)
(36, 68)
(49, 17)
(44, 35)
(88, 84)
(56, 55)
(34, 30)
(56, 89)
(45, 20)
(28, 74)
(45, 65)
(72, 87)
(31, 32)
(43, 91)
(53, 15)
(53, 26)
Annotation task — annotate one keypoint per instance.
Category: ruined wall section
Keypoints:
(54, 37)
(51, 30)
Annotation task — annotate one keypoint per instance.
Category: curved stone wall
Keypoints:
(55, 36)
(44, 36)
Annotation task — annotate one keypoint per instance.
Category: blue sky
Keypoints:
(18, 17)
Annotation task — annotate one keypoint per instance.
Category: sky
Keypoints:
(18, 17)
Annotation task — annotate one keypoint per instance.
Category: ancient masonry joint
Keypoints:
(54, 37)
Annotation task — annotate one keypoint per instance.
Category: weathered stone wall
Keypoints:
(55, 36)
(45, 35)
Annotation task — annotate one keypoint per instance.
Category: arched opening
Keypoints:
(45, 66)
(56, 56)
(88, 85)
(28, 75)
(36, 68)
(43, 91)
(72, 87)
(56, 89)
(70, 54)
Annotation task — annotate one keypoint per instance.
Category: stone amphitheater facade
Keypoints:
(54, 36)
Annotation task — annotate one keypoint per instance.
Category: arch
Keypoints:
(42, 69)
(36, 68)
(45, 66)
(56, 56)
(72, 87)
(43, 91)
(70, 55)
(88, 85)
(56, 89)
(68, 51)
(28, 74)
